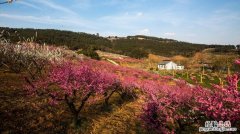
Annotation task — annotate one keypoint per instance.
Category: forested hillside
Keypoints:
(164, 48)
(73, 40)
(134, 46)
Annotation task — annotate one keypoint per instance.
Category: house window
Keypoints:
(161, 66)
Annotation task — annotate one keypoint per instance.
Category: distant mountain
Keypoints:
(138, 46)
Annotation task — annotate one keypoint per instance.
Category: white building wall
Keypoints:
(171, 65)
(180, 67)
(161, 66)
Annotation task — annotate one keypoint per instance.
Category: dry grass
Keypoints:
(21, 113)
(124, 119)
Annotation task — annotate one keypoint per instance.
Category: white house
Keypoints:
(169, 65)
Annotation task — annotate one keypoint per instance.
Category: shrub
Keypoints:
(90, 53)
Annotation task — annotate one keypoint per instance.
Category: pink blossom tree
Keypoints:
(72, 84)
(221, 103)
(170, 108)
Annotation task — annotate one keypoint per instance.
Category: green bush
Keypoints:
(90, 53)
(137, 53)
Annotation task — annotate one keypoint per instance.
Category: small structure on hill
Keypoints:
(169, 65)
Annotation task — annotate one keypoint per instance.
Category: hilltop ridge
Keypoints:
(137, 46)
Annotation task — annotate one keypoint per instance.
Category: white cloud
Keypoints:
(119, 21)
(49, 20)
(219, 20)
(28, 4)
(183, 1)
(82, 4)
(191, 35)
(145, 31)
(129, 21)
(170, 34)
(139, 14)
(24, 18)
(55, 6)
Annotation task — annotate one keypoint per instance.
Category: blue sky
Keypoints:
(197, 21)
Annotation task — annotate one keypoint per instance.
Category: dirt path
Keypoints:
(124, 119)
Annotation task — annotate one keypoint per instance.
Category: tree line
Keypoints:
(131, 46)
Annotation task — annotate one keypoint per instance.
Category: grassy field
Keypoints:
(207, 80)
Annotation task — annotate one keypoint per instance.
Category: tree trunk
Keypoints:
(201, 78)
(203, 71)
(76, 111)
(76, 119)
(73, 110)
(229, 71)
(181, 127)
(108, 97)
